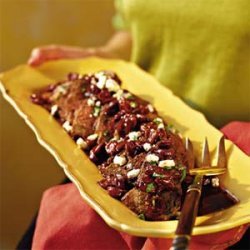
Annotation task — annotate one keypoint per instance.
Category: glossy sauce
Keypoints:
(131, 114)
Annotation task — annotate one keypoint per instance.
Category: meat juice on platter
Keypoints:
(142, 159)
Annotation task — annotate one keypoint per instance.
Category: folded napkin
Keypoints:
(65, 221)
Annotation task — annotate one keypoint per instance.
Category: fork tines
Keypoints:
(190, 153)
(205, 160)
(221, 154)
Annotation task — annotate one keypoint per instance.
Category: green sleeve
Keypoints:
(119, 20)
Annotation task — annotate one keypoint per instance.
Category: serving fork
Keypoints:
(190, 206)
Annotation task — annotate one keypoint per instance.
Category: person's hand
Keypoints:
(42, 54)
(118, 46)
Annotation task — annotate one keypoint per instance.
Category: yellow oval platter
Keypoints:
(18, 84)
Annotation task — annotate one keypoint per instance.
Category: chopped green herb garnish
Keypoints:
(157, 121)
(133, 104)
(150, 187)
(129, 96)
(96, 111)
(153, 162)
(141, 216)
(106, 133)
(169, 168)
(169, 127)
(158, 175)
(183, 174)
(180, 166)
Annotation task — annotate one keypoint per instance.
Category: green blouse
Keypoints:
(200, 49)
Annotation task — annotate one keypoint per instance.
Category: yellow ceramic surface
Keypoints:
(18, 84)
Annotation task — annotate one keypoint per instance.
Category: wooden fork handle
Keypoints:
(187, 218)
(180, 242)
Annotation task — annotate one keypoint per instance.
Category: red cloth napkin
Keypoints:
(65, 221)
